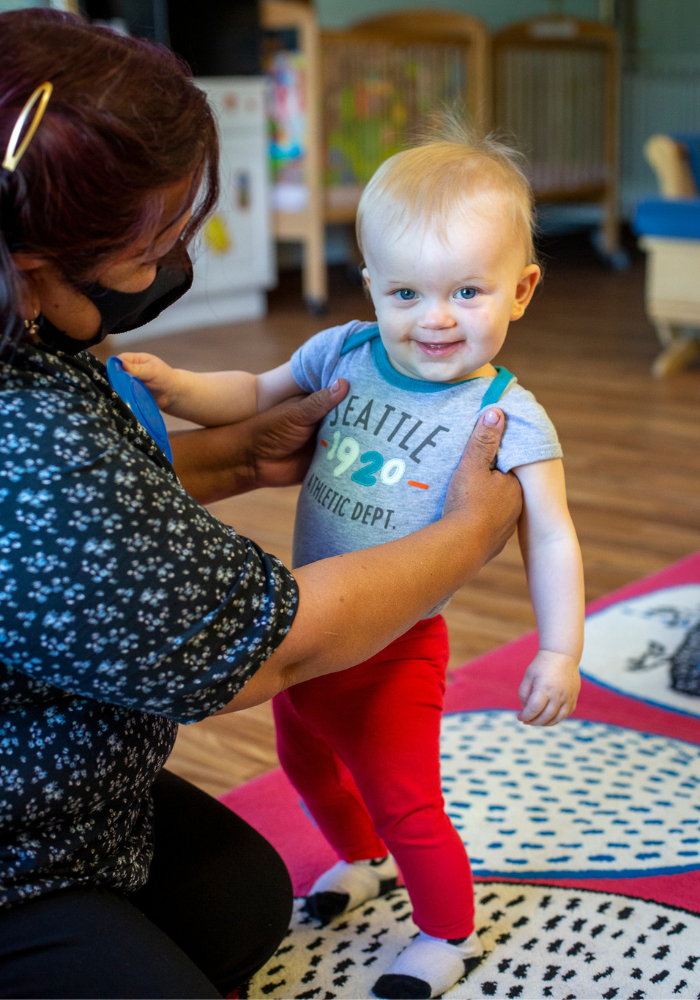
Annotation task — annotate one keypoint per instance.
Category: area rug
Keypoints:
(584, 839)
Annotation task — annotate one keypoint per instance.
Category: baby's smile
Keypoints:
(439, 349)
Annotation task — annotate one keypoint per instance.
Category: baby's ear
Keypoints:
(525, 290)
(366, 283)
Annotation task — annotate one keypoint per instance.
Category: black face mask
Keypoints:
(122, 311)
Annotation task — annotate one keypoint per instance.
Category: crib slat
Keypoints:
(556, 91)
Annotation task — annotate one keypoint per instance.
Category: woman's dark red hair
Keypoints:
(125, 119)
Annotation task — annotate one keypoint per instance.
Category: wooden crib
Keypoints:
(556, 86)
(381, 80)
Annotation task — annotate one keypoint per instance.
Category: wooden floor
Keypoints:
(631, 446)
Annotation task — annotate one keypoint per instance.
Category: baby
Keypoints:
(446, 233)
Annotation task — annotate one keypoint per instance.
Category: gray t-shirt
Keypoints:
(385, 456)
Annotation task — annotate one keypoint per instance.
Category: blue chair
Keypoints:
(669, 231)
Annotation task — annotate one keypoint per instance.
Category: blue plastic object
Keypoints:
(692, 144)
(141, 403)
(675, 217)
(678, 218)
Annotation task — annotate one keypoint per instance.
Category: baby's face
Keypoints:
(444, 305)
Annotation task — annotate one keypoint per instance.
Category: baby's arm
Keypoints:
(551, 683)
(211, 398)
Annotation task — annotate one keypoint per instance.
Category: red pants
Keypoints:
(362, 749)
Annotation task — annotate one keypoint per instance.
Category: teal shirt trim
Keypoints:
(385, 368)
(359, 338)
(497, 387)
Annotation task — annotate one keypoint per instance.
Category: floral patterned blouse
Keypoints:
(125, 608)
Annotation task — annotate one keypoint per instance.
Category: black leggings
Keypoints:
(216, 906)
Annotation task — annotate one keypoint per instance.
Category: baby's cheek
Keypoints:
(492, 319)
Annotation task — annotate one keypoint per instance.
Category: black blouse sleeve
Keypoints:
(114, 583)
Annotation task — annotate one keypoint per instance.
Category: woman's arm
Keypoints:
(551, 683)
(353, 605)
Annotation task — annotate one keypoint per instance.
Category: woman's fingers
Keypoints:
(307, 411)
(480, 493)
(282, 438)
(485, 441)
(482, 448)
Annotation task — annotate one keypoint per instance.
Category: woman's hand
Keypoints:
(273, 448)
(283, 438)
(481, 493)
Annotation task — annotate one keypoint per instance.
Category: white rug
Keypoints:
(584, 800)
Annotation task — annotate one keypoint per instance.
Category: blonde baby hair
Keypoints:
(450, 167)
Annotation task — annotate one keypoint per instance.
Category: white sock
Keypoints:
(428, 967)
(347, 885)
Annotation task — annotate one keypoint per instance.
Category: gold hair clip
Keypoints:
(16, 149)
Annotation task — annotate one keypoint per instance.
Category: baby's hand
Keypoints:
(158, 377)
(549, 689)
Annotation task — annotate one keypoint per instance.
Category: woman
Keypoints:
(125, 606)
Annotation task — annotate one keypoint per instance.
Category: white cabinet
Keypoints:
(233, 256)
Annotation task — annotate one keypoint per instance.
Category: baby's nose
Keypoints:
(438, 317)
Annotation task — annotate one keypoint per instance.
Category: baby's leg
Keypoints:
(399, 778)
(397, 771)
(382, 719)
(322, 779)
(330, 793)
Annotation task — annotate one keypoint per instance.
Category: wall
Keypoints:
(16, 4)
(496, 13)
(671, 27)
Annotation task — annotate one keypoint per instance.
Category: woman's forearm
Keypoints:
(214, 462)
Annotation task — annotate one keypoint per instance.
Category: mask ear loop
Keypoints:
(16, 149)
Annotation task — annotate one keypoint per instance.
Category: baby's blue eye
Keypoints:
(466, 293)
(406, 294)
